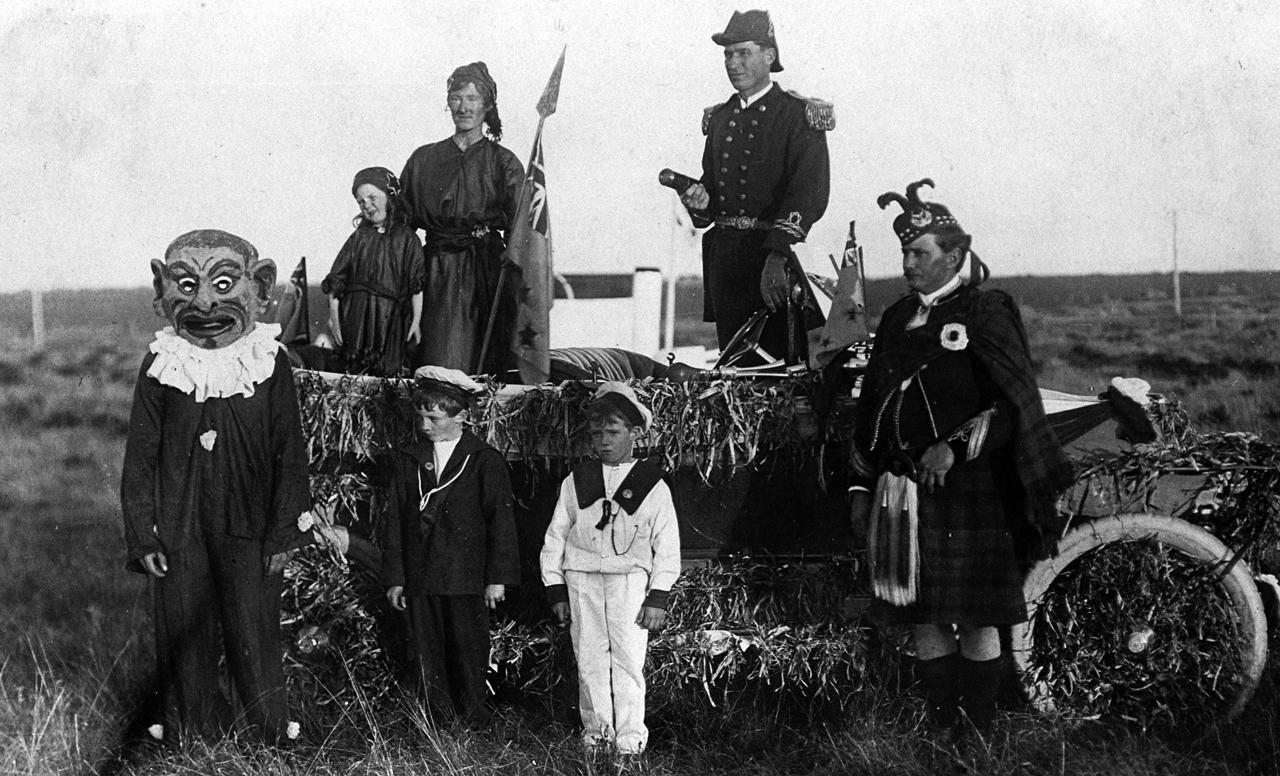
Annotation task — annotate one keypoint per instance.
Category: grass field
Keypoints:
(75, 663)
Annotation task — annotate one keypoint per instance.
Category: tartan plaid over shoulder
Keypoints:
(998, 339)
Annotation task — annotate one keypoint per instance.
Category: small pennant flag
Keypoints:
(847, 321)
(292, 314)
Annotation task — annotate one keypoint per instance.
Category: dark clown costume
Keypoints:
(215, 485)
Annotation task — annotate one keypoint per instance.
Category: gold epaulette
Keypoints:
(820, 114)
(706, 116)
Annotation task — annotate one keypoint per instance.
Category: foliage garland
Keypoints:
(711, 422)
(737, 624)
(1185, 670)
(334, 658)
(742, 624)
(1081, 654)
(1241, 470)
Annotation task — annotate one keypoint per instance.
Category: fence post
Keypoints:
(37, 319)
(646, 311)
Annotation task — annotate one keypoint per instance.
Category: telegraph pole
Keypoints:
(1177, 283)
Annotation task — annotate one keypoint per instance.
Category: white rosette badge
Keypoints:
(955, 336)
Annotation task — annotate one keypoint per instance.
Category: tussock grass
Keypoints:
(54, 720)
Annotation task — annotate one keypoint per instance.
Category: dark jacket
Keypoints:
(252, 484)
(769, 162)
(997, 341)
(466, 537)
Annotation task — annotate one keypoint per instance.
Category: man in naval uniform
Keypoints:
(765, 181)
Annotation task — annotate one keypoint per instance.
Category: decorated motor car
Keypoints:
(1153, 610)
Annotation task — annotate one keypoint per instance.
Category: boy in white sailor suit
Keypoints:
(449, 547)
(609, 559)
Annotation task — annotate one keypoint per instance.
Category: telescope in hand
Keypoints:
(674, 180)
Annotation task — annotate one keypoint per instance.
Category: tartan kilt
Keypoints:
(969, 572)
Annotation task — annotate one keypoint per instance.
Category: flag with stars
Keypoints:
(847, 321)
(292, 312)
(529, 253)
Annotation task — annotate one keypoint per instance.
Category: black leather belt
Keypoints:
(745, 223)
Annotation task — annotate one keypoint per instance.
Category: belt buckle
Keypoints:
(743, 222)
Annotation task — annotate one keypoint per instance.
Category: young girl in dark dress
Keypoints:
(375, 285)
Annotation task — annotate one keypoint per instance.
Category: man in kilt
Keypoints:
(951, 435)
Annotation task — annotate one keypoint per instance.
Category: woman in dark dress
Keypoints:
(375, 285)
(462, 192)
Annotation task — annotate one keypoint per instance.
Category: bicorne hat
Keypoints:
(753, 27)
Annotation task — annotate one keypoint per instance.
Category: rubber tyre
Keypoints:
(1189, 539)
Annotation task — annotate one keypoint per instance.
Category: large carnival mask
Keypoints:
(212, 287)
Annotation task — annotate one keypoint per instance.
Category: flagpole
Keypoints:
(669, 292)
(506, 266)
(545, 107)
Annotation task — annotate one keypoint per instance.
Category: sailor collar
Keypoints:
(421, 450)
(434, 489)
(588, 483)
(234, 370)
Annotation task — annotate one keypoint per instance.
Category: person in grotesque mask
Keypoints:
(214, 488)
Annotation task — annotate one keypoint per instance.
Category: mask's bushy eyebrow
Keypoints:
(227, 266)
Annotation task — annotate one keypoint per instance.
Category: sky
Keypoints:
(1061, 135)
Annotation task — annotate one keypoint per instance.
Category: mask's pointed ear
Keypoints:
(159, 271)
(264, 275)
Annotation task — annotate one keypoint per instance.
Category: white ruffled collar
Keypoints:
(234, 370)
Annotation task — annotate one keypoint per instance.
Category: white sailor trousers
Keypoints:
(610, 648)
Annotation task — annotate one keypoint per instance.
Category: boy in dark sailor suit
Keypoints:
(951, 434)
(609, 559)
(765, 182)
(449, 548)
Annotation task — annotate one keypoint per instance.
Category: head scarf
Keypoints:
(475, 73)
(380, 177)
